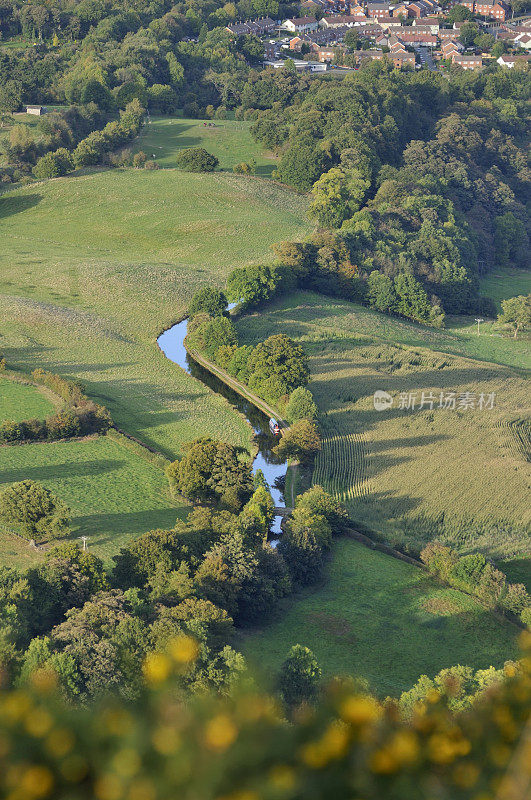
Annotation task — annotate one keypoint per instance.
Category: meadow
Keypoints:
(504, 283)
(95, 266)
(411, 475)
(19, 401)
(382, 619)
(229, 140)
(114, 493)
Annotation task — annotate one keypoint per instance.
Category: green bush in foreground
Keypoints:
(240, 747)
(196, 159)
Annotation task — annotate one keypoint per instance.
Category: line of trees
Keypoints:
(474, 574)
(78, 417)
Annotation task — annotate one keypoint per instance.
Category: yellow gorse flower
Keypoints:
(157, 667)
(360, 710)
(183, 649)
(220, 732)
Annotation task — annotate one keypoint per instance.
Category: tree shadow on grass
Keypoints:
(17, 203)
(55, 471)
(107, 526)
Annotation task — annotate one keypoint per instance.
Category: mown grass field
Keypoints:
(20, 401)
(95, 266)
(113, 492)
(383, 619)
(229, 140)
(395, 468)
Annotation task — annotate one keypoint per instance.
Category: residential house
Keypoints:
(296, 43)
(418, 39)
(523, 40)
(364, 56)
(401, 11)
(325, 54)
(37, 111)
(418, 9)
(300, 24)
(270, 51)
(403, 60)
(512, 61)
(431, 23)
(467, 62)
(451, 49)
(377, 9)
(256, 27)
(492, 8)
(338, 21)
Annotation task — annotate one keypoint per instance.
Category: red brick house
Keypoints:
(467, 62)
(377, 10)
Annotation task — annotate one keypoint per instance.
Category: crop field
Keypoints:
(412, 475)
(20, 401)
(229, 140)
(383, 619)
(113, 492)
(94, 267)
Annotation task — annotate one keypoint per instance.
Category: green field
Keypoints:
(504, 283)
(383, 619)
(393, 468)
(229, 140)
(113, 492)
(19, 401)
(94, 267)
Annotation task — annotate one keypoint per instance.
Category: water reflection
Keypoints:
(171, 342)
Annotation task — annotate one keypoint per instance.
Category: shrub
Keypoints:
(63, 425)
(525, 616)
(320, 502)
(244, 168)
(211, 470)
(35, 509)
(281, 359)
(301, 441)
(299, 677)
(47, 167)
(210, 300)
(467, 571)
(439, 559)
(516, 598)
(139, 159)
(196, 159)
(303, 544)
(301, 405)
(11, 431)
(211, 334)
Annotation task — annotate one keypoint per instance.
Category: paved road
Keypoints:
(426, 59)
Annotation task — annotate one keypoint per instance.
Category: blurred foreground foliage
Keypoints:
(165, 745)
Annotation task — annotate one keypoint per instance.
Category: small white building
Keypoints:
(37, 111)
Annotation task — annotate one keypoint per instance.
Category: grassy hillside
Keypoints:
(503, 283)
(229, 140)
(411, 475)
(113, 492)
(383, 619)
(94, 267)
(20, 401)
